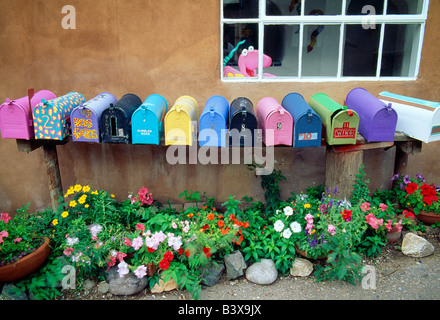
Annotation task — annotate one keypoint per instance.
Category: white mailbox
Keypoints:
(417, 118)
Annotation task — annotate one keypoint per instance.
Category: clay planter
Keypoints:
(304, 254)
(26, 265)
(393, 235)
(428, 218)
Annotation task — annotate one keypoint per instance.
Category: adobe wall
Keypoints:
(171, 48)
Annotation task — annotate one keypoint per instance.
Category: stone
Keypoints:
(235, 265)
(127, 285)
(213, 274)
(89, 284)
(263, 272)
(103, 287)
(12, 292)
(301, 268)
(164, 286)
(416, 246)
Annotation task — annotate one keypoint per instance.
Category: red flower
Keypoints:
(211, 216)
(180, 251)
(346, 214)
(428, 191)
(411, 187)
(206, 252)
(205, 227)
(408, 214)
(164, 264)
(187, 253)
(168, 256)
(150, 249)
(429, 199)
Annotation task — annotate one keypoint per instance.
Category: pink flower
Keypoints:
(120, 256)
(331, 229)
(137, 243)
(68, 251)
(140, 271)
(373, 221)
(308, 218)
(383, 206)
(5, 217)
(127, 242)
(140, 226)
(3, 234)
(144, 196)
(365, 206)
(17, 240)
(389, 225)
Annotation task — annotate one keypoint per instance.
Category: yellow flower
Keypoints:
(72, 203)
(69, 192)
(86, 189)
(86, 206)
(307, 205)
(55, 222)
(317, 215)
(112, 195)
(95, 192)
(313, 231)
(77, 188)
(64, 214)
(82, 199)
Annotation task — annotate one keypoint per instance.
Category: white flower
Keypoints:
(140, 271)
(72, 241)
(287, 233)
(123, 269)
(95, 229)
(279, 226)
(288, 211)
(137, 243)
(277, 212)
(295, 226)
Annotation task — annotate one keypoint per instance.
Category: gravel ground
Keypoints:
(398, 277)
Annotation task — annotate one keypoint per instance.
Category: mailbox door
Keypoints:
(282, 126)
(178, 128)
(85, 125)
(307, 130)
(212, 129)
(344, 127)
(241, 129)
(14, 122)
(382, 126)
(145, 127)
(115, 126)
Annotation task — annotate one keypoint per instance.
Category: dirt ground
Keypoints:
(397, 277)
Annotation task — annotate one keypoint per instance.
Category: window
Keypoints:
(322, 40)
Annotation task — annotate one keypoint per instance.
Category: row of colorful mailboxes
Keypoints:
(291, 122)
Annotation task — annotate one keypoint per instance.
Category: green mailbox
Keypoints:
(341, 124)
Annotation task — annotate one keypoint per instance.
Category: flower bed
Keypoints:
(95, 232)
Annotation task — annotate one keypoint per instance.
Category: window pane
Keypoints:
(399, 57)
(240, 8)
(405, 6)
(281, 44)
(320, 50)
(361, 50)
(319, 7)
(364, 7)
(283, 8)
(233, 34)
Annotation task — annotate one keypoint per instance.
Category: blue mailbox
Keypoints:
(213, 122)
(147, 122)
(307, 125)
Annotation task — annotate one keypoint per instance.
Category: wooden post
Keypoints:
(341, 169)
(403, 149)
(53, 173)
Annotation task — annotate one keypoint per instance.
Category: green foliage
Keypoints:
(360, 188)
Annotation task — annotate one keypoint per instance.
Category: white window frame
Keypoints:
(342, 20)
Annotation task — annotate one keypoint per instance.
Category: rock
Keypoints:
(103, 287)
(235, 265)
(12, 292)
(89, 285)
(301, 268)
(263, 272)
(127, 285)
(416, 246)
(164, 286)
(212, 274)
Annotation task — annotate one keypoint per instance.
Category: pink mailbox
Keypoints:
(272, 116)
(16, 115)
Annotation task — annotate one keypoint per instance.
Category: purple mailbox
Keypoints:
(377, 120)
(86, 118)
(16, 115)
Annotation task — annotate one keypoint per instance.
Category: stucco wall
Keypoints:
(172, 48)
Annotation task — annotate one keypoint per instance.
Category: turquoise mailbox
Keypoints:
(147, 121)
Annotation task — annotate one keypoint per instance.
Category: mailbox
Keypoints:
(116, 119)
(86, 118)
(307, 129)
(242, 122)
(377, 120)
(147, 121)
(16, 115)
(271, 116)
(341, 124)
(181, 122)
(417, 118)
(213, 122)
(52, 117)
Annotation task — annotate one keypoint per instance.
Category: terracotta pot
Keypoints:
(428, 218)
(393, 235)
(304, 254)
(26, 265)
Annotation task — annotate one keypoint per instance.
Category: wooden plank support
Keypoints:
(403, 150)
(53, 173)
